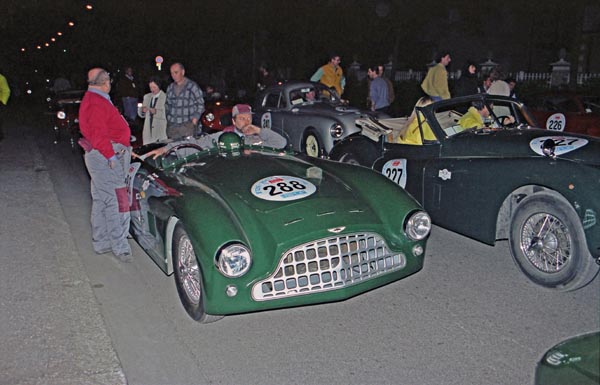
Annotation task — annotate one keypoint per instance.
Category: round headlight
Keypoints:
(418, 225)
(336, 131)
(61, 115)
(209, 117)
(234, 260)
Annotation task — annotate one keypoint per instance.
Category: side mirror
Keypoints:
(548, 148)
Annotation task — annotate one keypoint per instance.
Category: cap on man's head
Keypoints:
(241, 109)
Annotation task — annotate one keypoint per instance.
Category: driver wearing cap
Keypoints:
(242, 126)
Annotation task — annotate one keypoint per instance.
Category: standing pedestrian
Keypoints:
(331, 74)
(467, 83)
(390, 85)
(106, 141)
(266, 79)
(152, 111)
(129, 93)
(378, 91)
(498, 85)
(184, 104)
(4, 95)
(435, 83)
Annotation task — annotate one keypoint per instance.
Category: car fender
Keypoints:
(367, 150)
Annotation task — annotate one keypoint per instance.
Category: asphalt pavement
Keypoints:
(51, 325)
(70, 316)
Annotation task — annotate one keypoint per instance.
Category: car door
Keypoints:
(297, 118)
(272, 111)
(464, 189)
(404, 164)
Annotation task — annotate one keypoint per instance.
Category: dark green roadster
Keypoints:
(254, 228)
(479, 168)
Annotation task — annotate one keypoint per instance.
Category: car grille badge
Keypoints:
(337, 230)
(445, 174)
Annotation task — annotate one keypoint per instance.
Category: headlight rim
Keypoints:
(409, 224)
(336, 130)
(219, 259)
(209, 117)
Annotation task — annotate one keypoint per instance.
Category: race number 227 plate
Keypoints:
(395, 170)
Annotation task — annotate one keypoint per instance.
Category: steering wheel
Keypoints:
(180, 146)
(500, 119)
(171, 155)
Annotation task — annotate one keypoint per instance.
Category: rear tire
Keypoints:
(188, 277)
(548, 244)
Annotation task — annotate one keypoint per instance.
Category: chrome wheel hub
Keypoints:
(546, 242)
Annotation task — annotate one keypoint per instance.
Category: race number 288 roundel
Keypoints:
(282, 188)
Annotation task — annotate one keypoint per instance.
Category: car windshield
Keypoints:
(591, 104)
(313, 94)
(456, 118)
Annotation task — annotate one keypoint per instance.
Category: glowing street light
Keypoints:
(71, 24)
(59, 33)
(88, 7)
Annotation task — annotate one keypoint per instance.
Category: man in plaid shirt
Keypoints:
(184, 104)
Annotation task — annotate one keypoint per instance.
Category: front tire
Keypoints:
(312, 145)
(548, 244)
(350, 158)
(188, 277)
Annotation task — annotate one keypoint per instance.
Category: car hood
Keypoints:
(340, 112)
(245, 184)
(524, 143)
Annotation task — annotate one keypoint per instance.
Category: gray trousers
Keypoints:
(110, 201)
(178, 131)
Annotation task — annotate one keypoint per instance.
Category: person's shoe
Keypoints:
(124, 257)
(103, 251)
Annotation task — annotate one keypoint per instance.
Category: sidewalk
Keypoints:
(51, 328)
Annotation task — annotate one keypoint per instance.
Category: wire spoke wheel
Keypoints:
(546, 242)
(188, 277)
(189, 271)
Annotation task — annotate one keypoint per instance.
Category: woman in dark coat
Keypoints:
(468, 83)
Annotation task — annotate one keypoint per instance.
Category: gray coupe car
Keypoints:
(310, 115)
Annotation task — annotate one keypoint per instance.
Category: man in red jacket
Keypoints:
(106, 141)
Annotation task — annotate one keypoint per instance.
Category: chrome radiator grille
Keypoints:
(328, 264)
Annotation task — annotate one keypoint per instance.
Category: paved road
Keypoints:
(469, 317)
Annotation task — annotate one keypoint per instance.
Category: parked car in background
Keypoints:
(536, 188)
(216, 115)
(249, 229)
(566, 111)
(63, 109)
(64, 113)
(310, 115)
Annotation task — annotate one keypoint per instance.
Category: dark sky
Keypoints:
(234, 36)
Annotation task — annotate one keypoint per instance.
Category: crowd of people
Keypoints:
(172, 115)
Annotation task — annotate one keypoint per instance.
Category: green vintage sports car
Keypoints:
(502, 180)
(249, 229)
(574, 361)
